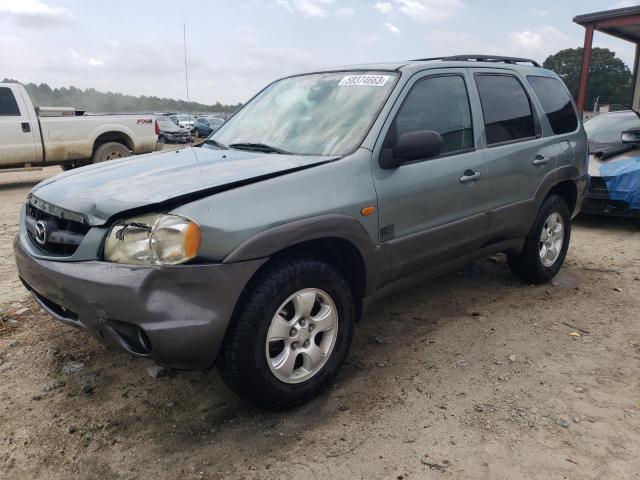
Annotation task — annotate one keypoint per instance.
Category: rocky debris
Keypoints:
(86, 438)
(435, 465)
(12, 322)
(87, 389)
(579, 390)
(617, 289)
(381, 340)
(52, 352)
(22, 311)
(513, 358)
(561, 422)
(72, 367)
(72, 429)
(156, 371)
(56, 384)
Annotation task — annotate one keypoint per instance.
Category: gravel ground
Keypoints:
(472, 376)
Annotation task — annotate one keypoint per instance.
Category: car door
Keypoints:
(17, 144)
(432, 210)
(519, 157)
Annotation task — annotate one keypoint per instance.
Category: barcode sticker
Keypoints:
(363, 80)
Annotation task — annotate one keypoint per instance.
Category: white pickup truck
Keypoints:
(31, 138)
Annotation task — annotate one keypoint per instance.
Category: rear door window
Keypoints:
(556, 103)
(8, 104)
(506, 108)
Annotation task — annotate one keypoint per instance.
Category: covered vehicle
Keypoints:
(168, 131)
(614, 164)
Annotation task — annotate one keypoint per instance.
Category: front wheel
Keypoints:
(291, 333)
(546, 245)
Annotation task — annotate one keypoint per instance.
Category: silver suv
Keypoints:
(259, 251)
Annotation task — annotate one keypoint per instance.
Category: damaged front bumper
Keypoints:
(175, 315)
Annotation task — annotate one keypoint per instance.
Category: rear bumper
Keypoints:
(175, 315)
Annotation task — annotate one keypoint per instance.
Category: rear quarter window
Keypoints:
(8, 104)
(556, 103)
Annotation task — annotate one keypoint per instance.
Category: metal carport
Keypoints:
(623, 23)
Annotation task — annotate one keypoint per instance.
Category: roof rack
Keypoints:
(483, 58)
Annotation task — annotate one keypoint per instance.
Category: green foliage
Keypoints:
(94, 101)
(609, 77)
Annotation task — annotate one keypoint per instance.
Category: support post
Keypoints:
(584, 70)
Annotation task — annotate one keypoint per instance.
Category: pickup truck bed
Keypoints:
(61, 136)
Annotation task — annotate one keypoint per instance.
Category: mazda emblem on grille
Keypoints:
(41, 232)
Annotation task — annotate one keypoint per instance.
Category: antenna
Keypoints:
(186, 71)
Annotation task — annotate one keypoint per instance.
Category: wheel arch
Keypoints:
(563, 183)
(568, 191)
(113, 136)
(340, 239)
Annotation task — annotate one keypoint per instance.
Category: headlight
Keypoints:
(153, 239)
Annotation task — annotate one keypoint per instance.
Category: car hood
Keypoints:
(99, 192)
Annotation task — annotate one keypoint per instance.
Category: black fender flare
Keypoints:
(331, 226)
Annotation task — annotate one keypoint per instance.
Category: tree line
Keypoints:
(91, 100)
(610, 80)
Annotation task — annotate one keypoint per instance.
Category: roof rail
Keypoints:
(483, 58)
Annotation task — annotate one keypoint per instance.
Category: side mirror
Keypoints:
(631, 137)
(412, 146)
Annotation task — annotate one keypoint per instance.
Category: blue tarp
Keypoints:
(623, 180)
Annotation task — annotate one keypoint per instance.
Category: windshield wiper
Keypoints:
(258, 147)
(215, 143)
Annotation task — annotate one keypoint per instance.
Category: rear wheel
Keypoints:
(546, 245)
(110, 151)
(290, 334)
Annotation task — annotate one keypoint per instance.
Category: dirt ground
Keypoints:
(472, 376)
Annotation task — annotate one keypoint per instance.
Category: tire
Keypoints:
(110, 151)
(196, 133)
(530, 266)
(250, 368)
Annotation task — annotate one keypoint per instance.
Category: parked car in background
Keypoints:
(260, 250)
(205, 126)
(614, 164)
(35, 137)
(169, 132)
(183, 120)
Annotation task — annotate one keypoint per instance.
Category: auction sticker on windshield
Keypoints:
(363, 80)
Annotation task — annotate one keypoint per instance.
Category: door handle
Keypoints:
(470, 176)
(540, 160)
(26, 127)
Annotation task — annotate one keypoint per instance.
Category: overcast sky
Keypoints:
(237, 46)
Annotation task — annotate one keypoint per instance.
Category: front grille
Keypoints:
(52, 234)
